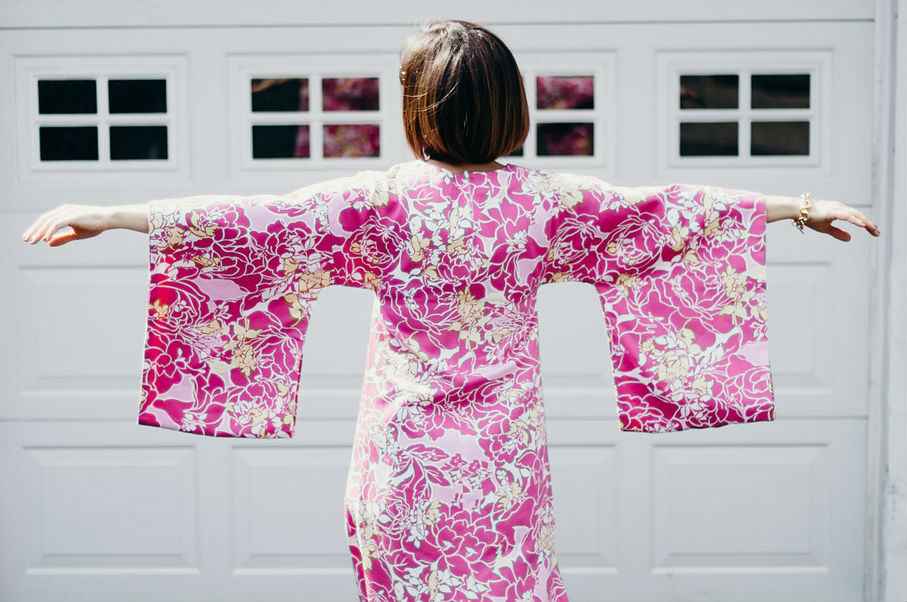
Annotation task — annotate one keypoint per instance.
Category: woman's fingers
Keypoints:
(839, 233)
(38, 229)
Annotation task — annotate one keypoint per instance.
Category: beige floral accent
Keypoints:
(626, 281)
(298, 309)
(631, 196)
(214, 325)
(559, 277)
(713, 228)
(546, 537)
(457, 246)
(432, 514)
(206, 231)
(243, 354)
(155, 221)
(419, 245)
(244, 359)
(173, 237)
(259, 417)
(735, 289)
(498, 335)
(734, 282)
(431, 272)
(506, 494)
(519, 430)
(161, 309)
(312, 281)
(571, 198)
(674, 364)
(372, 279)
(378, 197)
(206, 262)
(679, 236)
(289, 265)
(471, 312)
(691, 256)
(700, 386)
(433, 584)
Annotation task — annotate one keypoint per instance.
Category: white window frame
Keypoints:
(601, 66)
(672, 65)
(313, 67)
(101, 69)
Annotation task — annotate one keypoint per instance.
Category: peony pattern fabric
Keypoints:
(448, 493)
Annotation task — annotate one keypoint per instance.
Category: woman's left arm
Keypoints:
(821, 215)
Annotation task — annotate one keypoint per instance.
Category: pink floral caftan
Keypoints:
(449, 494)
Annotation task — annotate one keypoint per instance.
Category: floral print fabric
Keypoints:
(448, 494)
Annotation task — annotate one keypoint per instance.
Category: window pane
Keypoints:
(709, 91)
(779, 138)
(280, 94)
(68, 96)
(351, 140)
(350, 94)
(565, 92)
(708, 139)
(780, 91)
(69, 143)
(564, 139)
(137, 95)
(138, 142)
(280, 141)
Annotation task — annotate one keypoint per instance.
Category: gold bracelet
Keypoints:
(805, 202)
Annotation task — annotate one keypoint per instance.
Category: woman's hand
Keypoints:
(85, 220)
(821, 215)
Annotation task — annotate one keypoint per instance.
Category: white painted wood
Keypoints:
(771, 511)
(110, 13)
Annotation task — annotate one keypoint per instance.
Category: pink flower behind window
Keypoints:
(351, 140)
(565, 92)
(349, 93)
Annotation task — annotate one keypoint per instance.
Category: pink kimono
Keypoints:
(449, 494)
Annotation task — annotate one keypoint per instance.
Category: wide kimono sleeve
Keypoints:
(680, 272)
(232, 282)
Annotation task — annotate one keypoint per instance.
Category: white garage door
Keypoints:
(93, 506)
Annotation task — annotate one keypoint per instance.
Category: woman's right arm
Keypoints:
(85, 221)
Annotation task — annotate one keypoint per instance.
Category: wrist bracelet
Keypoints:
(805, 202)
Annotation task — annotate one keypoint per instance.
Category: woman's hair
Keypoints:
(463, 96)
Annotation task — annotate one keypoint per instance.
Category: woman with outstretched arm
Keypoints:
(449, 486)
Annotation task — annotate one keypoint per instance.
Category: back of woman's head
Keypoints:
(463, 97)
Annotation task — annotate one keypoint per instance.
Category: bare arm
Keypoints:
(85, 221)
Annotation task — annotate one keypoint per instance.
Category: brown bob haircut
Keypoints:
(463, 96)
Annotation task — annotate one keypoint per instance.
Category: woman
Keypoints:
(448, 493)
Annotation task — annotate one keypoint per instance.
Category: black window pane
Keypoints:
(564, 139)
(69, 96)
(709, 91)
(130, 142)
(779, 138)
(280, 141)
(280, 94)
(780, 91)
(69, 143)
(708, 139)
(137, 95)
